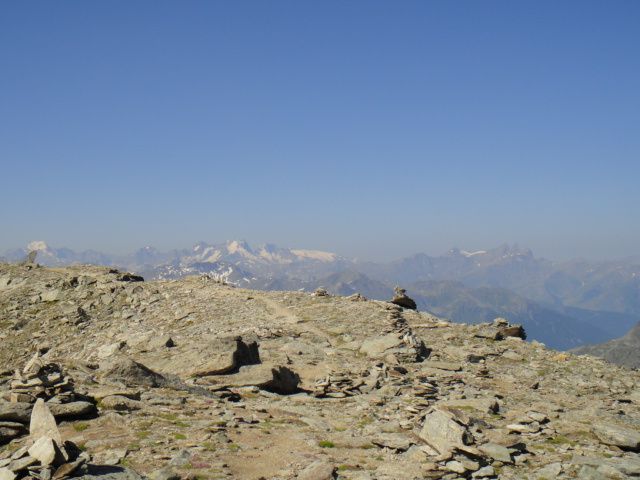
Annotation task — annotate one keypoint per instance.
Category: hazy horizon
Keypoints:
(371, 129)
(391, 256)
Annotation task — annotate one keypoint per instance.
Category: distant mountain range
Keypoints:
(623, 351)
(563, 304)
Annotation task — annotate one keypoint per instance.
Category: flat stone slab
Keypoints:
(15, 412)
(72, 410)
(230, 355)
(610, 434)
(275, 378)
(376, 347)
(448, 366)
(497, 452)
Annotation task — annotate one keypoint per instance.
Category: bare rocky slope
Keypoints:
(622, 351)
(196, 379)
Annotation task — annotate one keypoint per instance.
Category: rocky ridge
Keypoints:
(197, 379)
(622, 351)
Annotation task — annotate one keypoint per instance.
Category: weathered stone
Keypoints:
(318, 470)
(234, 353)
(524, 427)
(278, 379)
(619, 436)
(497, 452)
(450, 366)
(72, 410)
(320, 292)
(15, 412)
(68, 469)
(163, 341)
(484, 472)
(394, 441)
(10, 430)
(550, 471)
(376, 347)
(106, 351)
(120, 403)
(442, 432)
(455, 466)
(482, 405)
(401, 299)
(43, 423)
(130, 373)
(99, 394)
(112, 457)
(6, 474)
(166, 473)
(46, 452)
(512, 331)
(22, 463)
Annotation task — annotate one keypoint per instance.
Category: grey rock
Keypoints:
(22, 463)
(277, 379)
(15, 412)
(549, 471)
(46, 452)
(455, 466)
(378, 346)
(43, 423)
(610, 434)
(442, 432)
(128, 372)
(166, 473)
(72, 410)
(100, 472)
(401, 299)
(484, 472)
(394, 441)
(232, 355)
(497, 452)
(10, 430)
(318, 470)
(6, 474)
(120, 403)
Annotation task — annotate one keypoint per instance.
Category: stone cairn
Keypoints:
(45, 456)
(401, 299)
(41, 380)
(320, 292)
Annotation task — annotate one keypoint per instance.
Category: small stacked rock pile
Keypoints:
(401, 299)
(500, 329)
(45, 456)
(320, 292)
(41, 380)
(337, 385)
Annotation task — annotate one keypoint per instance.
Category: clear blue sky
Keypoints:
(374, 129)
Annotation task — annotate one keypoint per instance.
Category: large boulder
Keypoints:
(611, 434)
(232, 353)
(273, 378)
(130, 373)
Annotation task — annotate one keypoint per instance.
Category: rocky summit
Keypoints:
(105, 376)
